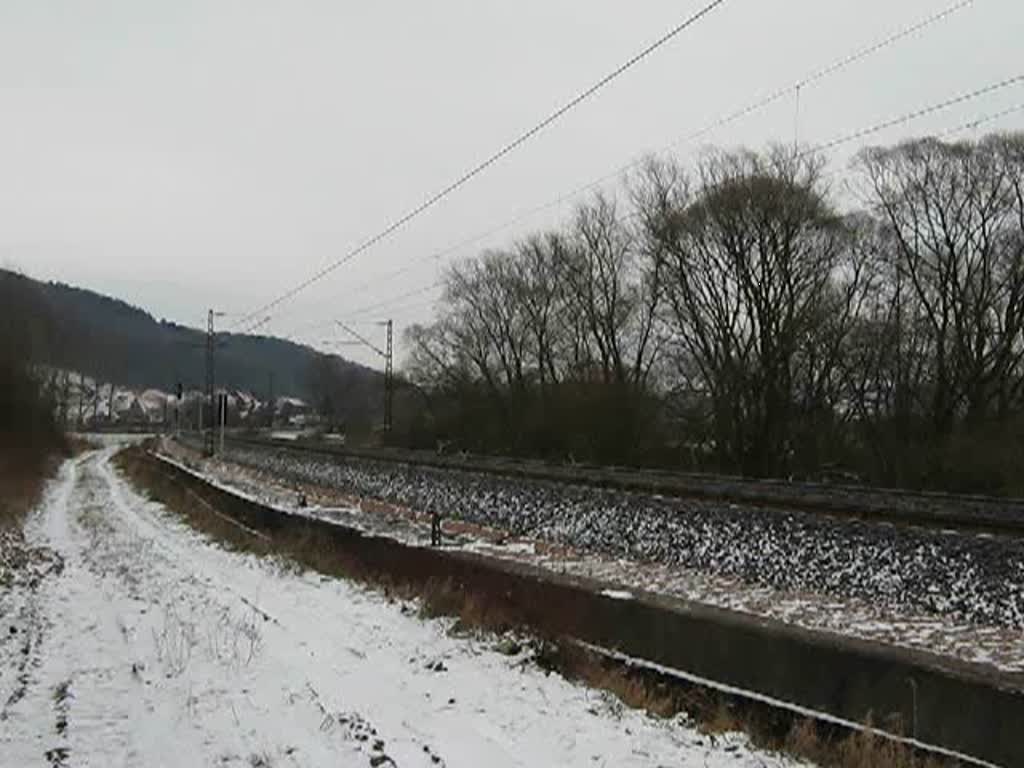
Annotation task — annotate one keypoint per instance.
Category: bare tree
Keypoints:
(753, 267)
(779, 331)
(613, 292)
(954, 214)
(486, 319)
(538, 267)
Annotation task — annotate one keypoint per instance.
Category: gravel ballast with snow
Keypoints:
(975, 578)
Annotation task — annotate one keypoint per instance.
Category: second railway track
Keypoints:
(941, 568)
(954, 512)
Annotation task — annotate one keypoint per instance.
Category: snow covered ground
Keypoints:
(127, 639)
(114, 439)
(812, 604)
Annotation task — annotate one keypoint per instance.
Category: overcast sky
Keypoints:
(198, 153)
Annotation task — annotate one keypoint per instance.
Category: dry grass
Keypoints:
(474, 612)
(722, 720)
(714, 713)
(661, 696)
(21, 484)
(77, 445)
(440, 597)
(24, 472)
(18, 492)
(633, 688)
(631, 691)
(860, 749)
(803, 739)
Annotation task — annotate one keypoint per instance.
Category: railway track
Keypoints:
(945, 511)
(952, 568)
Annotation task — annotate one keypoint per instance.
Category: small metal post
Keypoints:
(211, 432)
(435, 529)
(270, 399)
(223, 417)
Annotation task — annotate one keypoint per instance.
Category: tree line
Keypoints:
(753, 313)
(29, 433)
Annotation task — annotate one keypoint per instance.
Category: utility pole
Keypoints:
(81, 398)
(64, 399)
(65, 388)
(223, 418)
(179, 408)
(389, 381)
(270, 400)
(387, 353)
(210, 434)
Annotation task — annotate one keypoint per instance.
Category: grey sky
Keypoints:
(194, 153)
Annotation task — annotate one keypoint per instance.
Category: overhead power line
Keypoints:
(827, 71)
(830, 144)
(369, 308)
(494, 158)
(911, 116)
(983, 120)
(755, 106)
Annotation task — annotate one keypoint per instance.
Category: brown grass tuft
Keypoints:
(859, 749)
(21, 485)
(803, 739)
(440, 597)
(630, 686)
(722, 720)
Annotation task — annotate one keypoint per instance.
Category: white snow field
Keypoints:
(138, 642)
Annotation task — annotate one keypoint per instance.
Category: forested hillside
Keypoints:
(112, 341)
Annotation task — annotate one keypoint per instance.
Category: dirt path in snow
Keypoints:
(146, 645)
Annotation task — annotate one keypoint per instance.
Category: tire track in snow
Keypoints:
(485, 734)
(340, 676)
(353, 726)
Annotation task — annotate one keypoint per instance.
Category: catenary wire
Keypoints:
(492, 159)
(761, 103)
(830, 144)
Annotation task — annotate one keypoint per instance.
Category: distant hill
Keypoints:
(113, 341)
